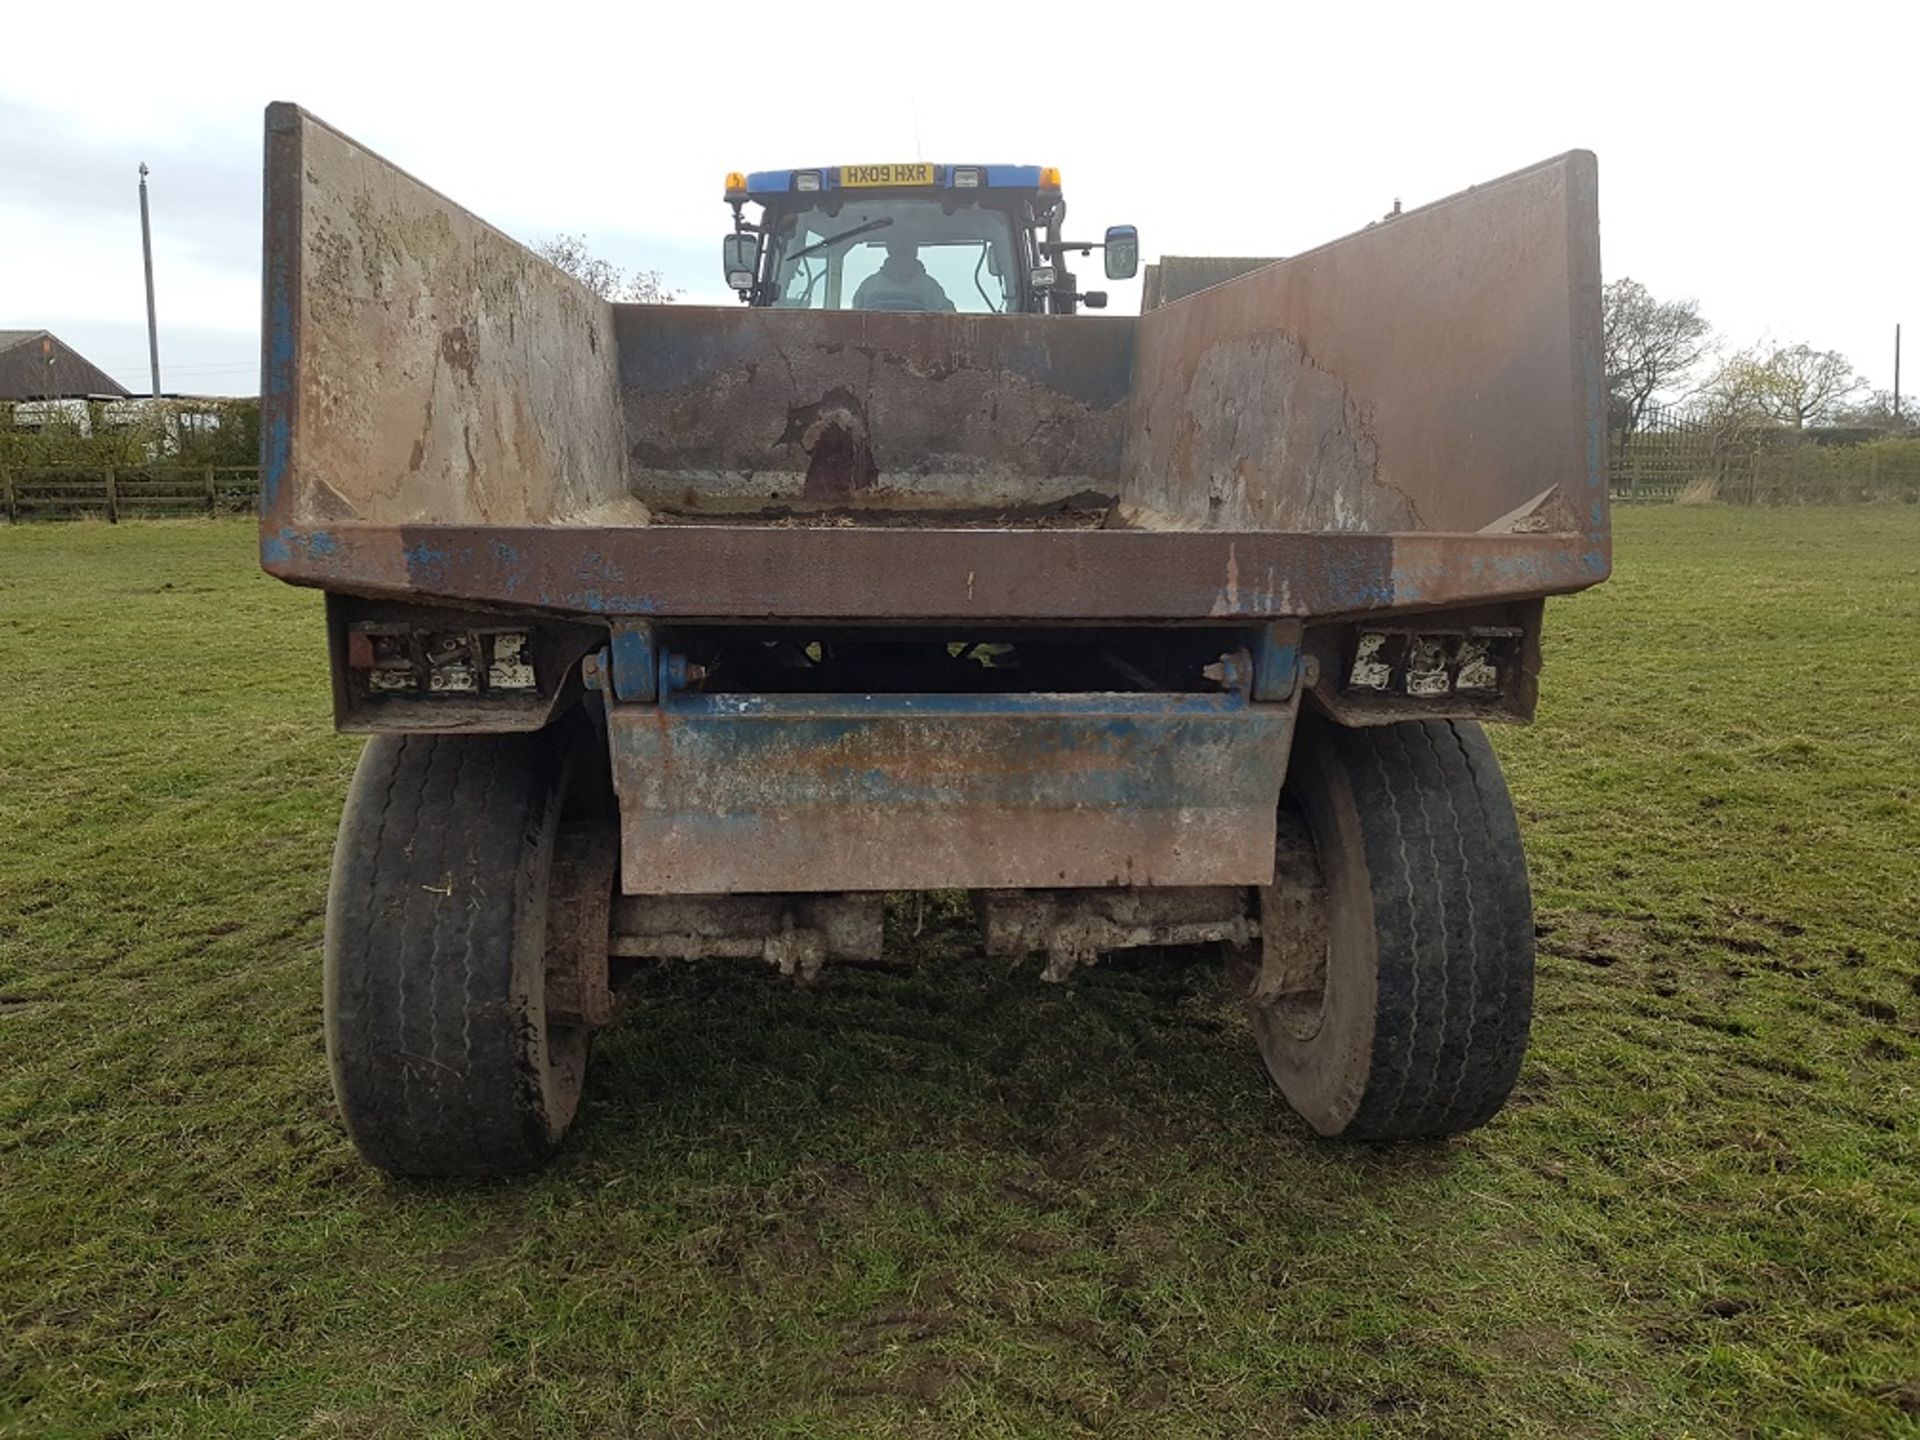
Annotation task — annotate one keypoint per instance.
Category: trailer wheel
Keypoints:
(1395, 982)
(445, 1059)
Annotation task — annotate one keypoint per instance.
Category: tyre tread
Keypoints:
(433, 1066)
(1453, 923)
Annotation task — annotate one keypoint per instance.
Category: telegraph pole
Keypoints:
(146, 250)
(1896, 374)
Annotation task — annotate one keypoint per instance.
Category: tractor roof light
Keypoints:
(1050, 177)
(806, 180)
(966, 177)
(736, 185)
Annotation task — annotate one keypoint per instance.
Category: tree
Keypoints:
(1650, 346)
(1876, 412)
(1733, 400)
(603, 277)
(1732, 408)
(1802, 386)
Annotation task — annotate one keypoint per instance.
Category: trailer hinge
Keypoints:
(1276, 662)
(634, 661)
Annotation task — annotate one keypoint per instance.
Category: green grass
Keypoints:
(954, 1201)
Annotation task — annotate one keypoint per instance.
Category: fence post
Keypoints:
(6, 486)
(113, 499)
(210, 504)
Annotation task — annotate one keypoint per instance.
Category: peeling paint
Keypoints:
(748, 794)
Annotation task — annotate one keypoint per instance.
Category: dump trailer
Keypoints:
(688, 633)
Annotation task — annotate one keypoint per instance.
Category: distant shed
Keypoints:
(38, 365)
(1177, 276)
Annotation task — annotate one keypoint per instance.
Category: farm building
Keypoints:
(38, 365)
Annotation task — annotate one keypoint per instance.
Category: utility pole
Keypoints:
(146, 250)
(1896, 373)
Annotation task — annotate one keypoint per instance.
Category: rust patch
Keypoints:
(1289, 991)
(1410, 377)
(1274, 441)
(457, 350)
(408, 334)
(1075, 927)
(579, 906)
(839, 449)
(953, 416)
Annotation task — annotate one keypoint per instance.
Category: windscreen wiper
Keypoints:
(879, 224)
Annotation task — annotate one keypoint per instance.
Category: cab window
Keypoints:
(895, 253)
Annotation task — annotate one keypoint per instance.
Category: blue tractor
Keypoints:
(948, 239)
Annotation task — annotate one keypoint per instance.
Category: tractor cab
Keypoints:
(946, 239)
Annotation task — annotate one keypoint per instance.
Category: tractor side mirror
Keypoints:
(1122, 251)
(1094, 299)
(740, 258)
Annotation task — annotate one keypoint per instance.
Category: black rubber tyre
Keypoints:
(1396, 983)
(443, 1062)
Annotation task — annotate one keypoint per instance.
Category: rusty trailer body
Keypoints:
(863, 601)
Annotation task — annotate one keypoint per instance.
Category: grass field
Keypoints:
(952, 1201)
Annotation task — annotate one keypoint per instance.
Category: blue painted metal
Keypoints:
(765, 185)
(282, 287)
(1276, 662)
(1098, 705)
(1013, 177)
(1233, 672)
(787, 793)
(634, 662)
(676, 673)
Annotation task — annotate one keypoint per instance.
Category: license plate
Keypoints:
(856, 177)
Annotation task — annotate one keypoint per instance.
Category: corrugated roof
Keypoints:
(11, 338)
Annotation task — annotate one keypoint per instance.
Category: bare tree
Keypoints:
(645, 287)
(1650, 346)
(603, 277)
(1878, 412)
(1804, 386)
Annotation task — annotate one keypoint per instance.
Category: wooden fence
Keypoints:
(1656, 464)
(117, 492)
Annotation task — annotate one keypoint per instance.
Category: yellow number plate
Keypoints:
(855, 177)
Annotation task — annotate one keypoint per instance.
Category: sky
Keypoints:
(1755, 157)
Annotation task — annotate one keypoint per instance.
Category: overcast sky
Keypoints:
(1759, 158)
